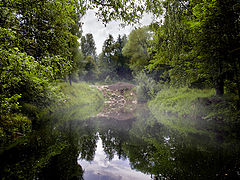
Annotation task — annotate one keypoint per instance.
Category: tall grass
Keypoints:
(80, 94)
(194, 110)
(181, 108)
(179, 101)
(81, 101)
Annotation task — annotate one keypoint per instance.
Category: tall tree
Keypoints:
(111, 61)
(122, 67)
(35, 49)
(88, 49)
(136, 48)
(76, 53)
(217, 40)
(88, 46)
(172, 45)
(106, 62)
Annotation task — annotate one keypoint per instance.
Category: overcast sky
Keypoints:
(100, 32)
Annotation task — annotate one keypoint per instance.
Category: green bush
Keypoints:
(13, 126)
(26, 85)
(147, 88)
(25, 79)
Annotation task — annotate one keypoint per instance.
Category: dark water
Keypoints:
(64, 146)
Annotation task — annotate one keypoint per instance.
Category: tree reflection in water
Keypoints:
(49, 153)
(141, 144)
(157, 150)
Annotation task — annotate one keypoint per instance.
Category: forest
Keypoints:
(185, 64)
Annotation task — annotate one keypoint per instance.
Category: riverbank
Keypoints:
(196, 111)
(80, 94)
(82, 100)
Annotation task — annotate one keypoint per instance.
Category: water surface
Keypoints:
(65, 146)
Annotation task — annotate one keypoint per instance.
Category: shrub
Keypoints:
(147, 88)
(12, 126)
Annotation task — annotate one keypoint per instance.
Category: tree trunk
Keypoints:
(220, 86)
(66, 79)
(220, 79)
(239, 94)
(70, 79)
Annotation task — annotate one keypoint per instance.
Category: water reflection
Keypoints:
(107, 148)
(49, 153)
(154, 149)
(104, 169)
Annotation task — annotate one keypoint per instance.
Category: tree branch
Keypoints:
(185, 6)
(103, 4)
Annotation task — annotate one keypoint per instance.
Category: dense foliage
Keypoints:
(198, 42)
(136, 48)
(112, 64)
(36, 44)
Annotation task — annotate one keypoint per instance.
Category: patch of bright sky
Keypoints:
(102, 168)
(100, 32)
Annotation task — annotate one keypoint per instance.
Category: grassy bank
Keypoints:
(81, 101)
(194, 110)
(179, 101)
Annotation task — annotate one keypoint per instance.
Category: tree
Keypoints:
(76, 53)
(111, 61)
(217, 26)
(128, 11)
(35, 50)
(122, 67)
(88, 49)
(136, 48)
(90, 69)
(198, 42)
(88, 46)
(106, 62)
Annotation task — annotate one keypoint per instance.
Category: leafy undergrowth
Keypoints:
(82, 101)
(196, 111)
(12, 127)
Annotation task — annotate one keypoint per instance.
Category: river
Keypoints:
(65, 146)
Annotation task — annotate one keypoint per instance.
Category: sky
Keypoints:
(102, 168)
(100, 32)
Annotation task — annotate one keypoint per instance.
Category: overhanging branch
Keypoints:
(103, 4)
(185, 6)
